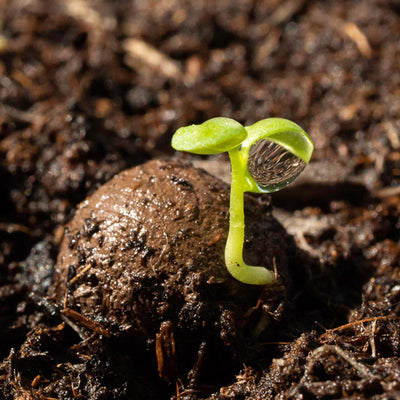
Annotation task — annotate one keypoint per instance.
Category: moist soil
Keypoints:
(112, 278)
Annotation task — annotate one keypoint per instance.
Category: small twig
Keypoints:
(86, 322)
(178, 395)
(388, 192)
(36, 381)
(358, 37)
(79, 274)
(141, 54)
(392, 134)
(277, 343)
(214, 240)
(361, 368)
(179, 384)
(81, 10)
(351, 324)
(21, 115)
(275, 268)
(372, 339)
(75, 327)
(13, 228)
(286, 11)
(196, 370)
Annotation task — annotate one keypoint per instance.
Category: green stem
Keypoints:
(234, 245)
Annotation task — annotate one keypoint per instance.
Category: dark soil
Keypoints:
(90, 89)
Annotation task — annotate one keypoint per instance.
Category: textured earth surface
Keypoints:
(92, 88)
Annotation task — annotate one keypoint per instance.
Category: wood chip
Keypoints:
(388, 192)
(80, 9)
(392, 134)
(165, 351)
(286, 11)
(140, 54)
(358, 37)
(36, 381)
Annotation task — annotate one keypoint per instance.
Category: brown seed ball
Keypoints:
(148, 247)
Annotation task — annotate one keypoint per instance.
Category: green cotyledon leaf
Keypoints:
(216, 135)
(283, 132)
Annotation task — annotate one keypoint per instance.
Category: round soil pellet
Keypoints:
(144, 255)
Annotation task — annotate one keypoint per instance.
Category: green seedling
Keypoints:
(265, 157)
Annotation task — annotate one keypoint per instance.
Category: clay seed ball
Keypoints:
(148, 247)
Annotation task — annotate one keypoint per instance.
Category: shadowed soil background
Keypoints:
(132, 299)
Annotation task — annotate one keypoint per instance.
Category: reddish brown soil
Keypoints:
(89, 89)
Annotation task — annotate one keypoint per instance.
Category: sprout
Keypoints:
(265, 157)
